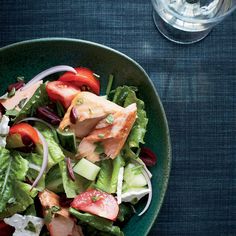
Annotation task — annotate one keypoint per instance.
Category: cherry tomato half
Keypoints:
(63, 92)
(98, 203)
(27, 133)
(84, 79)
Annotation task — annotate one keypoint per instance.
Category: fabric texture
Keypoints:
(196, 83)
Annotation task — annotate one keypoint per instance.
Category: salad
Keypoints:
(72, 160)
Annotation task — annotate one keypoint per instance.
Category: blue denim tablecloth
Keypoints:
(196, 83)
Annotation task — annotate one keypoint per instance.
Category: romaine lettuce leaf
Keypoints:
(124, 96)
(53, 180)
(104, 177)
(55, 152)
(108, 175)
(72, 188)
(40, 98)
(97, 222)
(13, 168)
(36, 160)
(21, 199)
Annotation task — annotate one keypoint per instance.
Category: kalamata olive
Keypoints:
(17, 86)
(27, 141)
(2, 110)
(148, 156)
(47, 114)
(73, 115)
(29, 144)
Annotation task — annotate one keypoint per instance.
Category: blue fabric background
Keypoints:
(197, 85)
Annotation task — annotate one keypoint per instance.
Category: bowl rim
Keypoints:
(165, 121)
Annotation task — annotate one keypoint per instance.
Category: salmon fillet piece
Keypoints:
(90, 109)
(13, 102)
(62, 224)
(111, 133)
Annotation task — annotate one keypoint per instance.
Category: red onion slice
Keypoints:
(69, 169)
(37, 119)
(45, 159)
(48, 72)
(149, 195)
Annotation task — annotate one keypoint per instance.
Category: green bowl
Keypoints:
(31, 57)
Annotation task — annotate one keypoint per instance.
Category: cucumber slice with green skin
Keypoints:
(133, 176)
(67, 140)
(86, 169)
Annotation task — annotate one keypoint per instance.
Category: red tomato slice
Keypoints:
(5, 229)
(97, 203)
(61, 91)
(83, 78)
(26, 131)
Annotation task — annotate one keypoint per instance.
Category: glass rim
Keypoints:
(191, 20)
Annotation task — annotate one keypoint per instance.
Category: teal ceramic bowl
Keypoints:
(31, 57)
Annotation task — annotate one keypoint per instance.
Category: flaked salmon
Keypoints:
(110, 133)
(20, 95)
(62, 224)
(88, 110)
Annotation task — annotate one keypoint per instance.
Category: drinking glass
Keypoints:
(189, 21)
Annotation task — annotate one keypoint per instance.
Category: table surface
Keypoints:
(196, 83)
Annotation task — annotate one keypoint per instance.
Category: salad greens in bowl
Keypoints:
(84, 141)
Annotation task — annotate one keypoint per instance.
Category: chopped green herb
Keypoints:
(20, 78)
(30, 227)
(95, 198)
(101, 135)
(80, 101)
(22, 103)
(50, 213)
(99, 148)
(12, 92)
(55, 209)
(110, 119)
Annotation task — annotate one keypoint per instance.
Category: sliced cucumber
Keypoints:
(67, 140)
(86, 169)
(133, 176)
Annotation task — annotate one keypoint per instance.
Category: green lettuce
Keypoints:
(54, 180)
(124, 96)
(21, 199)
(35, 159)
(40, 98)
(97, 222)
(108, 175)
(15, 195)
(72, 188)
(55, 153)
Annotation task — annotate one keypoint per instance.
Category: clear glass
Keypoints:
(189, 21)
